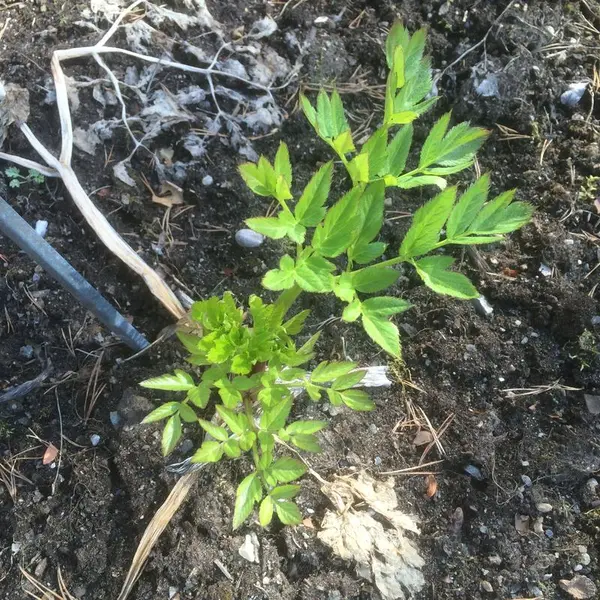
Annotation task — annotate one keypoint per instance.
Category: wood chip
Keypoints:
(170, 195)
(580, 587)
(50, 454)
(422, 437)
(431, 486)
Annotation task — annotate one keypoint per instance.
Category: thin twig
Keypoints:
(414, 470)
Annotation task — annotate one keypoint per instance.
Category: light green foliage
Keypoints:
(348, 228)
(250, 361)
(16, 180)
(252, 366)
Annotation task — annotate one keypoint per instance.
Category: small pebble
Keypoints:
(207, 180)
(471, 348)
(545, 270)
(578, 568)
(544, 507)
(377, 460)
(482, 306)
(596, 320)
(115, 419)
(41, 228)
(549, 533)
(95, 439)
(474, 472)
(246, 238)
(186, 446)
(574, 94)
(585, 559)
(26, 351)
(494, 559)
(486, 586)
(526, 480)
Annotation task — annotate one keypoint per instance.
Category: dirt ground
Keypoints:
(517, 507)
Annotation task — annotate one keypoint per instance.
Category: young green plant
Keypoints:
(251, 364)
(16, 180)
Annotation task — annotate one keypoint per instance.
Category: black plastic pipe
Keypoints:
(21, 233)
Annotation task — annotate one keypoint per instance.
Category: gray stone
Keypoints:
(246, 238)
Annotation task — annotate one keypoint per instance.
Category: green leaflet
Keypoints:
(309, 211)
(287, 469)
(501, 215)
(467, 207)
(433, 271)
(249, 492)
(328, 371)
(384, 306)
(288, 513)
(180, 381)
(171, 434)
(370, 211)
(374, 279)
(162, 412)
(336, 233)
(424, 232)
(282, 165)
(384, 333)
(451, 148)
(398, 149)
(357, 400)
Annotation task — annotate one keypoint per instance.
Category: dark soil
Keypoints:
(505, 452)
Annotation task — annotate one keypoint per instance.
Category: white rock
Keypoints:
(574, 94)
(249, 549)
(95, 439)
(544, 507)
(207, 180)
(41, 228)
(246, 238)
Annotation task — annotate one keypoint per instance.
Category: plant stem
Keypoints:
(385, 263)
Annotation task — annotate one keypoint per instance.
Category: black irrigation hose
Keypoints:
(21, 233)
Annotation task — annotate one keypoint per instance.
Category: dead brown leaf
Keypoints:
(169, 195)
(580, 587)
(383, 555)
